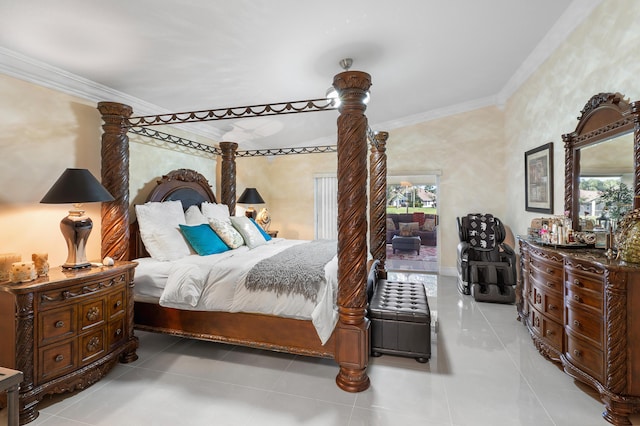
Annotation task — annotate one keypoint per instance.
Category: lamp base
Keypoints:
(250, 213)
(76, 229)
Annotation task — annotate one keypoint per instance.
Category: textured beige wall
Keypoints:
(285, 183)
(601, 55)
(43, 133)
(469, 151)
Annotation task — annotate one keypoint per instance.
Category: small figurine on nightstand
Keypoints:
(41, 261)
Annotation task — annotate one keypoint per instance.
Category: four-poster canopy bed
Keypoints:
(349, 343)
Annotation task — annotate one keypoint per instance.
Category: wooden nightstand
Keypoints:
(67, 330)
(272, 234)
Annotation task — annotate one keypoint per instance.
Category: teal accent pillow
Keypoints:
(203, 239)
(262, 231)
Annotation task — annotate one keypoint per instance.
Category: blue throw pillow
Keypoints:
(262, 231)
(203, 239)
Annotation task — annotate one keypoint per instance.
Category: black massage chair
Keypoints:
(486, 265)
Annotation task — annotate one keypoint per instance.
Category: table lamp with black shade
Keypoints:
(76, 186)
(250, 196)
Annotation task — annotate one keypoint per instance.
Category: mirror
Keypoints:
(603, 145)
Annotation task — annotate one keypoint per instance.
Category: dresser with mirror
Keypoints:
(580, 305)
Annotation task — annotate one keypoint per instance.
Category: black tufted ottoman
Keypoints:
(400, 320)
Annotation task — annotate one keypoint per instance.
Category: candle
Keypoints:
(22, 272)
(6, 260)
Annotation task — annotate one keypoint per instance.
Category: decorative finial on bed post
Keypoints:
(228, 175)
(352, 331)
(115, 178)
(378, 202)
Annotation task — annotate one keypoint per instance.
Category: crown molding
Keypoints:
(575, 14)
(33, 71)
(435, 114)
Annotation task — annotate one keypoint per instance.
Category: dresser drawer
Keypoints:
(547, 303)
(545, 271)
(548, 329)
(56, 360)
(585, 356)
(584, 281)
(585, 324)
(92, 313)
(585, 299)
(548, 281)
(57, 324)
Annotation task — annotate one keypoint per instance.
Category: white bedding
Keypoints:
(216, 283)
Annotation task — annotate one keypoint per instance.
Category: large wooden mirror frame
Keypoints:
(605, 116)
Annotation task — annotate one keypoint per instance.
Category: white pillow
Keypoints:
(251, 235)
(215, 211)
(194, 216)
(160, 230)
(227, 232)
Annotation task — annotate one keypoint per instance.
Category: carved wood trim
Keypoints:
(378, 202)
(115, 178)
(616, 324)
(604, 116)
(352, 228)
(228, 175)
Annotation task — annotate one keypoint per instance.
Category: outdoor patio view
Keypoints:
(405, 197)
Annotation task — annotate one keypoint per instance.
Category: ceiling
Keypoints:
(427, 58)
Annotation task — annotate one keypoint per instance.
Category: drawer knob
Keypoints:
(58, 358)
(576, 298)
(93, 313)
(577, 353)
(552, 307)
(577, 282)
(550, 333)
(577, 323)
(118, 303)
(59, 324)
(538, 298)
(549, 284)
(118, 331)
(549, 271)
(93, 344)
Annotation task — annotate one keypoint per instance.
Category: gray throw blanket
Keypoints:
(298, 269)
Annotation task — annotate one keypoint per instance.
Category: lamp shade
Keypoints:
(250, 196)
(76, 186)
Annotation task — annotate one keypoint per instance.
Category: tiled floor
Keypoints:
(484, 371)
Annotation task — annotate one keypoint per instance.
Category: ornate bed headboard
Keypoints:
(187, 186)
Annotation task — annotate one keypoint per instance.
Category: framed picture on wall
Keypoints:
(538, 179)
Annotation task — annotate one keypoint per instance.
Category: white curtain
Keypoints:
(326, 207)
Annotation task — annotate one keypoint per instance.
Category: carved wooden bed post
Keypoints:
(115, 178)
(378, 202)
(228, 175)
(352, 331)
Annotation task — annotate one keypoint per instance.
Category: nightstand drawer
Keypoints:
(116, 331)
(92, 346)
(116, 303)
(56, 360)
(57, 324)
(92, 313)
